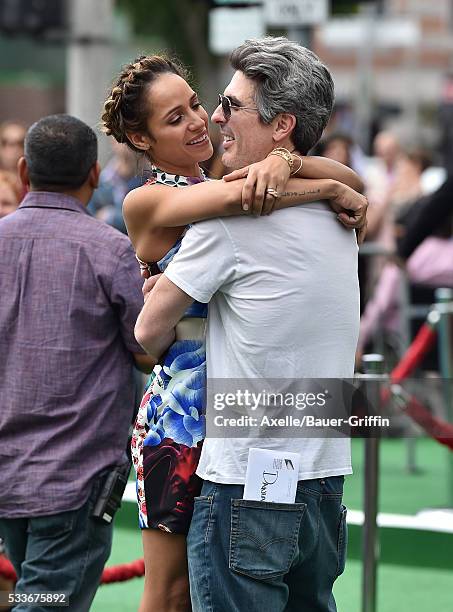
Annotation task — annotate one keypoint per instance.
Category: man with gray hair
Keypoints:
(283, 304)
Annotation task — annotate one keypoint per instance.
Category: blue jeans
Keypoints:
(61, 553)
(254, 556)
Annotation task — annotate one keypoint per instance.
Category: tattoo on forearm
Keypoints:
(290, 194)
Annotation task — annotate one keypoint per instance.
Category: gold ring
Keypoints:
(272, 192)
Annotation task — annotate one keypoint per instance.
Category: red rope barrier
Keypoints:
(117, 573)
(436, 428)
(6, 569)
(120, 573)
(423, 342)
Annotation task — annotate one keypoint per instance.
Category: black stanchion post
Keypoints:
(405, 315)
(373, 365)
(444, 302)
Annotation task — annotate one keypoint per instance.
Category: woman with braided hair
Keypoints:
(153, 109)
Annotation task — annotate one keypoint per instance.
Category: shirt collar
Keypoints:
(52, 199)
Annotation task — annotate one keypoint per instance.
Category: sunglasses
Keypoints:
(227, 105)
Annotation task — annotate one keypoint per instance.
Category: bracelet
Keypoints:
(284, 154)
(300, 165)
(144, 267)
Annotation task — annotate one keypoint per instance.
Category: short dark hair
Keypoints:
(60, 151)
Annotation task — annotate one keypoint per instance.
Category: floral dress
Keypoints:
(169, 429)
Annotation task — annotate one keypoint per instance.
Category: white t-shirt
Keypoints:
(283, 302)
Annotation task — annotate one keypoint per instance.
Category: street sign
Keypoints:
(352, 32)
(229, 27)
(293, 13)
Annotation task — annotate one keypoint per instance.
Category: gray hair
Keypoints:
(289, 79)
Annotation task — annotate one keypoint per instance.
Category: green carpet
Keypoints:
(399, 491)
(121, 596)
(400, 589)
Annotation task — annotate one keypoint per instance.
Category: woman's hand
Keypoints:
(271, 173)
(351, 208)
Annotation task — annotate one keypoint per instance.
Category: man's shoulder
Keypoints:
(80, 226)
(107, 234)
(9, 222)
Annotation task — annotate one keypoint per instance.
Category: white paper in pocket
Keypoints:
(271, 476)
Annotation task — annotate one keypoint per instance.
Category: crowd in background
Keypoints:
(400, 180)
(403, 258)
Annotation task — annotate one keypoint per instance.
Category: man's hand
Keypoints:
(148, 285)
(351, 208)
(155, 326)
(271, 173)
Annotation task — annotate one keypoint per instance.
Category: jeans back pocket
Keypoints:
(263, 538)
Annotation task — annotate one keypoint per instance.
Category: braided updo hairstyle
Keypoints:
(127, 107)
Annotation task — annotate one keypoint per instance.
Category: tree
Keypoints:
(349, 7)
(182, 24)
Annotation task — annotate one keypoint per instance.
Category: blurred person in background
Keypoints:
(422, 232)
(336, 146)
(71, 293)
(120, 175)
(379, 181)
(393, 200)
(429, 216)
(387, 148)
(428, 267)
(404, 189)
(342, 148)
(9, 193)
(12, 134)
